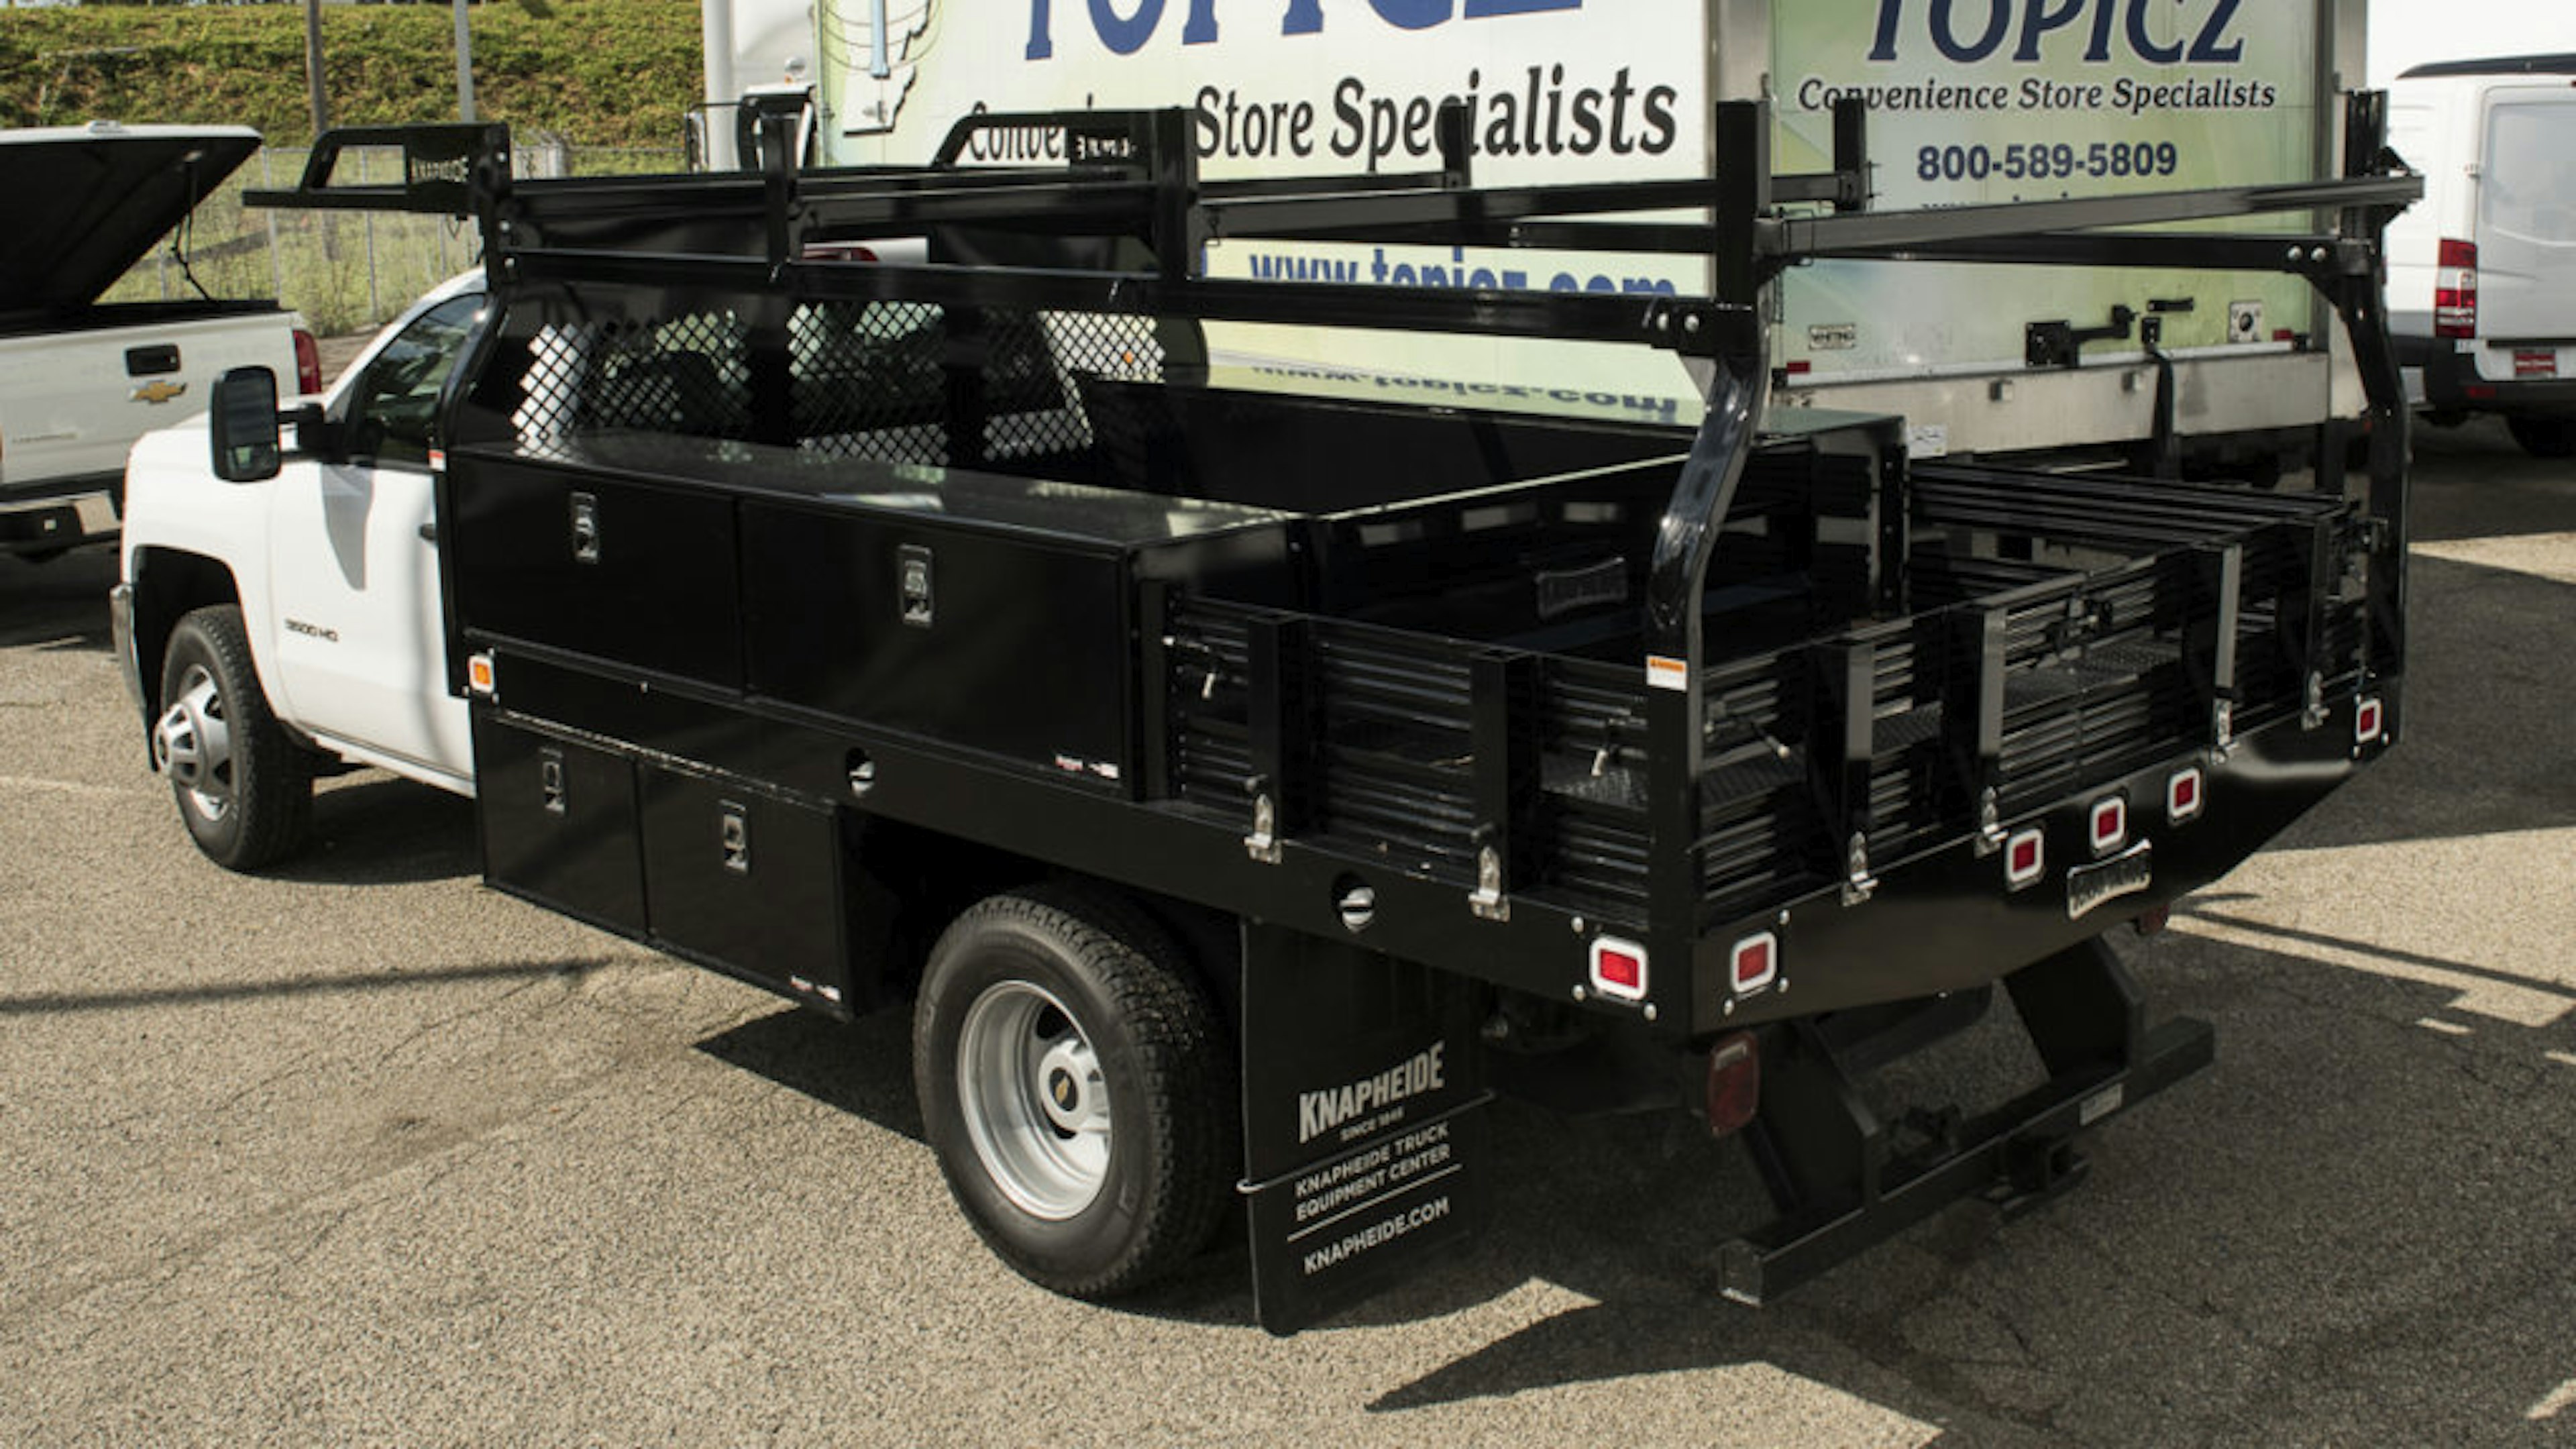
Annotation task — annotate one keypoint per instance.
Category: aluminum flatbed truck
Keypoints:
(1245, 787)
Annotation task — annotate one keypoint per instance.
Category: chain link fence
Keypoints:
(345, 271)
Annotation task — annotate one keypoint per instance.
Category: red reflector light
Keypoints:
(2455, 290)
(2110, 826)
(1734, 1084)
(1756, 963)
(308, 362)
(2182, 796)
(1618, 969)
(1798, 367)
(2369, 721)
(2025, 859)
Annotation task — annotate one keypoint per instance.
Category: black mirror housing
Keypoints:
(243, 426)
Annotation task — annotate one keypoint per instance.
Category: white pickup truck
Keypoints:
(81, 379)
(275, 629)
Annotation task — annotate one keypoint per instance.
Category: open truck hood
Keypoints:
(91, 201)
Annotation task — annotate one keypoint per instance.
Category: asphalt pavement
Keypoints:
(362, 1152)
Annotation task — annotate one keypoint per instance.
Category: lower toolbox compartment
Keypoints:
(749, 883)
(558, 823)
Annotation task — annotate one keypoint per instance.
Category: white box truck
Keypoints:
(1972, 102)
(2482, 272)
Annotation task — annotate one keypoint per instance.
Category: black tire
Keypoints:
(2544, 437)
(244, 788)
(1068, 994)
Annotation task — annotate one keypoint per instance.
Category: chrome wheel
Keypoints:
(243, 787)
(193, 745)
(1035, 1102)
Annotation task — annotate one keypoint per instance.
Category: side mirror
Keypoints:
(242, 426)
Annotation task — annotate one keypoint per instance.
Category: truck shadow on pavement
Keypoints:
(378, 829)
(57, 1003)
(2472, 481)
(2352, 1229)
(863, 1068)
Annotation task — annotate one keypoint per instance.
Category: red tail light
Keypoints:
(1755, 963)
(308, 363)
(1734, 1084)
(2455, 290)
(2110, 827)
(2183, 796)
(1618, 969)
(2025, 859)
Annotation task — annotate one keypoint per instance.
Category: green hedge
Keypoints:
(598, 72)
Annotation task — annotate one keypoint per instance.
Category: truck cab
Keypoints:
(271, 629)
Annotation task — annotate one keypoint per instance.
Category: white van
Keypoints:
(2482, 273)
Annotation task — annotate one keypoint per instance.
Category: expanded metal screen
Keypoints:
(900, 382)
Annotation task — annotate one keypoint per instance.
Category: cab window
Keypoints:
(393, 409)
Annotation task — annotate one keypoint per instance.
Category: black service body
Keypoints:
(820, 597)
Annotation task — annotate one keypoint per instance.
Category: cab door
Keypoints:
(361, 646)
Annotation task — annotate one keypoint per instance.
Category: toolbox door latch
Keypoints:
(585, 528)
(912, 563)
(733, 836)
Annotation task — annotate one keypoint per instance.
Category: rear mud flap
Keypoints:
(1363, 1121)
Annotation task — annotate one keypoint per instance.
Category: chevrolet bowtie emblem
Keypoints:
(157, 391)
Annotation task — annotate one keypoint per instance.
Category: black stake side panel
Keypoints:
(1948, 920)
(1363, 1111)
